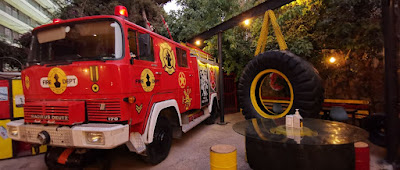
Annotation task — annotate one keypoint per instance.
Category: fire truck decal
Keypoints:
(212, 78)
(57, 81)
(27, 82)
(95, 88)
(94, 73)
(147, 80)
(72, 81)
(139, 108)
(204, 86)
(182, 80)
(49, 117)
(187, 101)
(167, 58)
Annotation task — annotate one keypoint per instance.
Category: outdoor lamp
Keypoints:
(332, 60)
(246, 22)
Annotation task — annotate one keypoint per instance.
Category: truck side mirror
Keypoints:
(144, 45)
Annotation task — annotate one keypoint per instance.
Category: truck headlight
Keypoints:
(13, 131)
(95, 138)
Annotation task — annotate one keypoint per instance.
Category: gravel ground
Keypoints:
(190, 152)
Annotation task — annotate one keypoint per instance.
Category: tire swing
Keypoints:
(302, 85)
(303, 81)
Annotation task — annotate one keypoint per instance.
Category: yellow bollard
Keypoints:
(223, 157)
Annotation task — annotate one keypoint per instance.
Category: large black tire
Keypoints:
(158, 150)
(303, 77)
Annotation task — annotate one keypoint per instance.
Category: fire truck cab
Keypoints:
(102, 81)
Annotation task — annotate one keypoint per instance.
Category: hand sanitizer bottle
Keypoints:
(297, 119)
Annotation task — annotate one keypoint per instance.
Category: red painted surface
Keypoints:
(362, 158)
(22, 148)
(117, 79)
(55, 112)
(5, 104)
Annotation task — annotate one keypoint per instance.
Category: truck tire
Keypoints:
(51, 156)
(214, 113)
(158, 150)
(304, 82)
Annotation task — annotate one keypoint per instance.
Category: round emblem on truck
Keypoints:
(27, 83)
(147, 80)
(57, 80)
(182, 80)
(95, 88)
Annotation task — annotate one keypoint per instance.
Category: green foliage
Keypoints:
(81, 8)
(351, 28)
(197, 16)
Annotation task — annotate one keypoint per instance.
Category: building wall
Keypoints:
(18, 17)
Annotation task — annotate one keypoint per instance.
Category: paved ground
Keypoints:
(189, 152)
(192, 150)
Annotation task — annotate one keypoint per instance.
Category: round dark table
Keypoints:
(320, 144)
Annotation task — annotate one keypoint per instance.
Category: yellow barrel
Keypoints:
(223, 157)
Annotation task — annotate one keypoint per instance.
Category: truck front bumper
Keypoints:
(92, 135)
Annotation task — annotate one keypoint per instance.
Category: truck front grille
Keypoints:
(55, 112)
(104, 110)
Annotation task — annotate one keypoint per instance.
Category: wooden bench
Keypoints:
(356, 109)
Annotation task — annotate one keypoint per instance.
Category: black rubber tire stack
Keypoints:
(304, 78)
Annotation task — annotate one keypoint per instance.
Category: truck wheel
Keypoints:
(51, 156)
(303, 86)
(214, 113)
(158, 150)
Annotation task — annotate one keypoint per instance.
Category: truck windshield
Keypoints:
(96, 40)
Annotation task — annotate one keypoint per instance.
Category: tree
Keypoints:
(136, 10)
(9, 54)
(313, 29)
(81, 8)
(197, 16)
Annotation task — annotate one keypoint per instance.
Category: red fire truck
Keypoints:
(102, 81)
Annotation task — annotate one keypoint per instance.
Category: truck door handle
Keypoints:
(159, 73)
(190, 75)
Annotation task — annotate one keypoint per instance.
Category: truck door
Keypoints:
(185, 80)
(144, 70)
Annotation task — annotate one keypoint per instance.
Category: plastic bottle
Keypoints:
(289, 121)
(297, 119)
